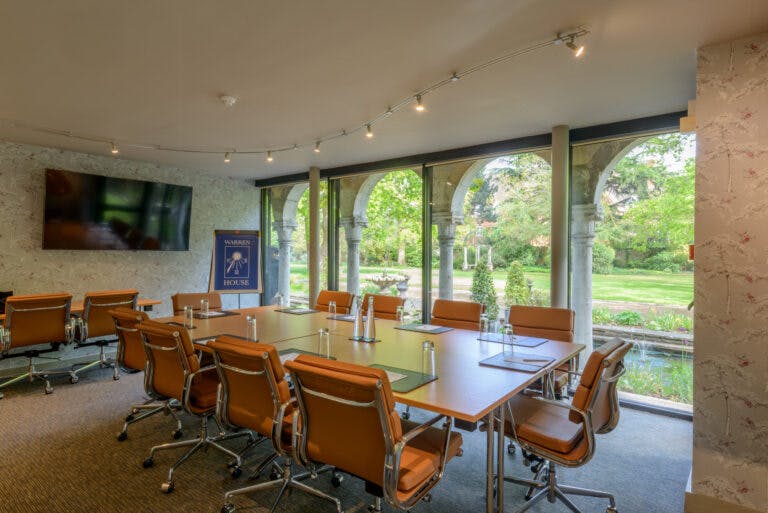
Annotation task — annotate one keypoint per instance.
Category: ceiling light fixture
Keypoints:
(419, 105)
(226, 158)
(568, 38)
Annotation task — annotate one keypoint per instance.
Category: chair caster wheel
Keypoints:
(511, 449)
(337, 479)
(129, 417)
(273, 476)
(148, 462)
(166, 487)
(405, 415)
(177, 434)
(48, 389)
(122, 436)
(228, 508)
(236, 472)
(611, 509)
(116, 378)
(427, 498)
(73, 379)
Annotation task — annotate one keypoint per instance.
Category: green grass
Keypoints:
(641, 286)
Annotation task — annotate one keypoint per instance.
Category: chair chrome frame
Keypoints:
(81, 338)
(287, 478)
(149, 407)
(545, 479)
(393, 452)
(6, 344)
(203, 440)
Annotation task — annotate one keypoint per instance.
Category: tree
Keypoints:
(516, 291)
(482, 290)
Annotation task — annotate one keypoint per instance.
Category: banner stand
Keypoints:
(236, 262)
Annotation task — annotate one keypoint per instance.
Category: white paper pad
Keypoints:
(428, 327)
(212, 314)
(394, 376)
(529, 360)
(288, 357)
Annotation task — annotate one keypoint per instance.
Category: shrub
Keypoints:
(628, 318)
(664, 261)
(602, 258)
(540, 297)
(670, 322)
(516, 291)
(482, 290)
(601, 315)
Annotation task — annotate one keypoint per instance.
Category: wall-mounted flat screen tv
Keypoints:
(84, 211)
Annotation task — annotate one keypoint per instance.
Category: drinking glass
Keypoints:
(483, 324)
(279, 300)
(324, 343)
(400, 312)
(332, 308)
(251, 332)
(428, 358)
(204, 307)
(188, 316)
(507, 334)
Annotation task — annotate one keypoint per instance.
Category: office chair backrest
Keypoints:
(542, 321)
(253, 384)
(597, 387)
(193, 299)
(170, 357)
(343, 301)
(130, 349)
(97, 322)
(457, 314)
(348, 416)
(384, 307)
(37, 319)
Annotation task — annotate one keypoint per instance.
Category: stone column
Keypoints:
(583, 219)
(446, 235)
(559, 215)
(353, 233)
(314, 235)
(285, 241)
(465, 265)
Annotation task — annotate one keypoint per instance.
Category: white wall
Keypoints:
(218, 203)
(730, 453)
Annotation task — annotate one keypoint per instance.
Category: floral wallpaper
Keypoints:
(730, 456)
(217, 203)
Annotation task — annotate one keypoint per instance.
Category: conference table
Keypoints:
(464, 389)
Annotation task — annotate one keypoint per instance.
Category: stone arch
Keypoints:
(364, 194)
(609, 168)
(292, 200)
(457, 200)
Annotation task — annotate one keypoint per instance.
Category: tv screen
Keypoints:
(85, 211)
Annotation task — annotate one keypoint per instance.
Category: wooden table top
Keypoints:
(464, 389)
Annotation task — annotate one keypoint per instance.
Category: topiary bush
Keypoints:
(482, 290)
(602, 258)
(516, 291)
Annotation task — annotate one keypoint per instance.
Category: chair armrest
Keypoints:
(413, 433)
(188, 383)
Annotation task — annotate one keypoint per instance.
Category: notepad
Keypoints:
(288, 357)
(424, 328)
(212, 314)
(394, 376)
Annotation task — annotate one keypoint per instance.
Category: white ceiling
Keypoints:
(151, 72)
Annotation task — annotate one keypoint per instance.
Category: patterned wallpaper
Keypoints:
(217, 203)
(730, 459)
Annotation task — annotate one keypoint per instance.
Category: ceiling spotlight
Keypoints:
(419, 106)
(578, 50)
(368, 131)
(269, 156)
(114, 149)
(454, 77)
(228, 100)
(226, 158)
(317, 147)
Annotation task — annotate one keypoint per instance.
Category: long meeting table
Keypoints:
(464, 389)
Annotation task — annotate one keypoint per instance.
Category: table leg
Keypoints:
(489, 463)
(500, 461)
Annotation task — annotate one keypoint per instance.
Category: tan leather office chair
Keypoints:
(343, 301)
(31, 322)
(96, 323)
(457, 314)
(173, 371)
(180, 300)
(549, 323)
(132, 358)
(564, 434)
(254, 394)
(384, 307)
(348, 420)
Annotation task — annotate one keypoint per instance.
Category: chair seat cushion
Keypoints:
(421, 457)
(544, 425)
(203, 392)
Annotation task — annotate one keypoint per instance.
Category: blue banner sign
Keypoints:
(236, 261)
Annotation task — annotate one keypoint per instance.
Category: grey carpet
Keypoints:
(58, 453)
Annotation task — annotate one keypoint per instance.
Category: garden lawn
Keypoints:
(641, 286)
